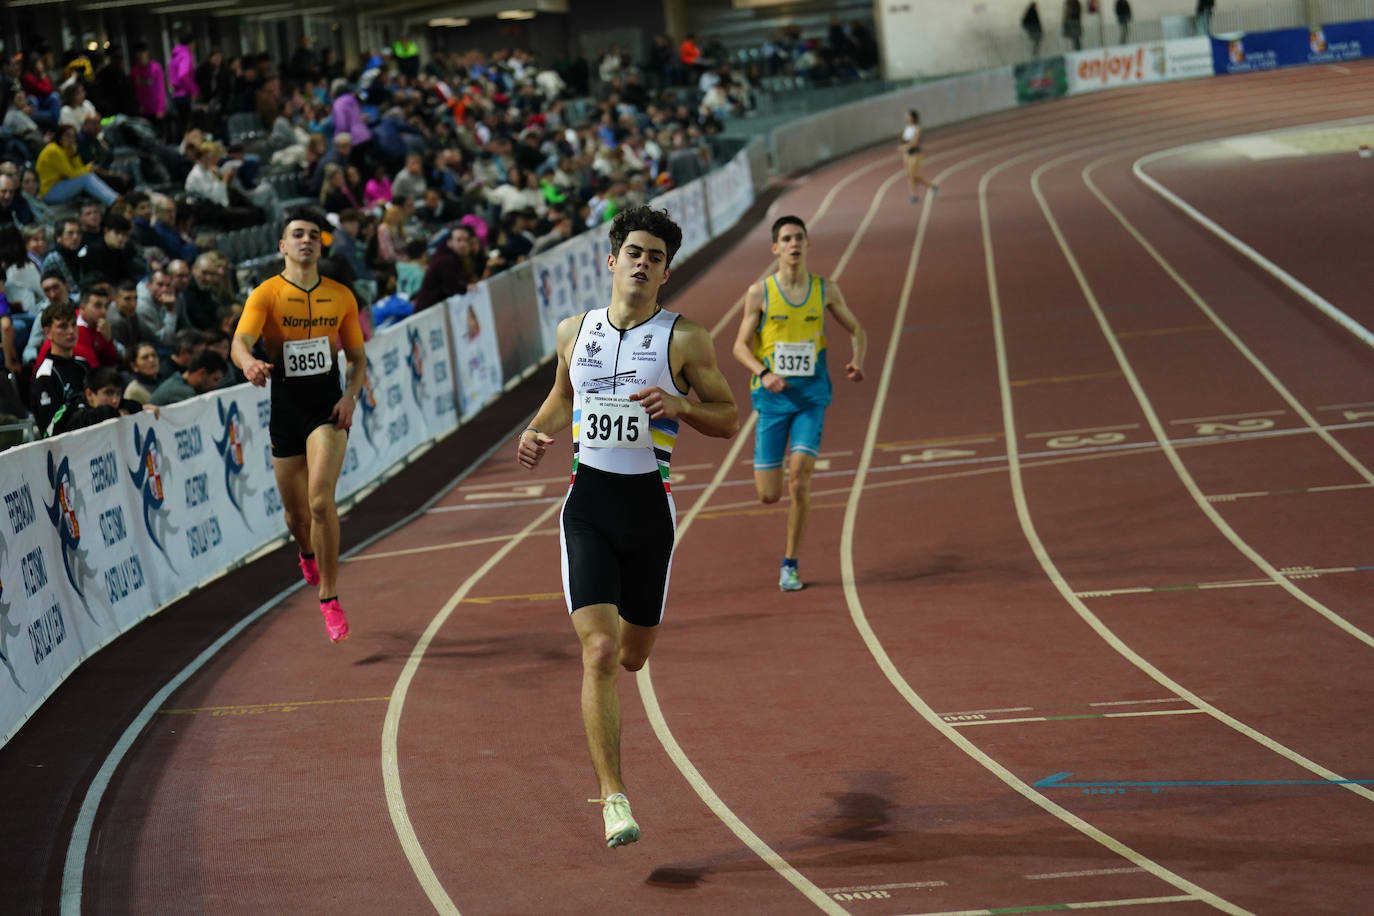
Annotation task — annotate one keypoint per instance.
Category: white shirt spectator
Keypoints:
(204, 183)
(23, 287)
(76, 115)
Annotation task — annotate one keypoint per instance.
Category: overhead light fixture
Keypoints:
(193, 7)
(111, 5)
(451, 22)
(515, 14)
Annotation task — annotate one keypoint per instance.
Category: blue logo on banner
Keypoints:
(416, 361)
(7, 628)
(63, 512)
(232, 447)
(367, 404)
(147, 477)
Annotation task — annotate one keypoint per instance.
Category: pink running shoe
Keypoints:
(335, 623)
(310, 570)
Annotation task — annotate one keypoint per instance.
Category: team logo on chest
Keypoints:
(646, 342)
(592, 348)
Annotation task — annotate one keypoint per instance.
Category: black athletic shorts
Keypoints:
(297, 411)
(617, 534)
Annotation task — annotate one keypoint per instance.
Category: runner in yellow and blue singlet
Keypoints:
(781, 340)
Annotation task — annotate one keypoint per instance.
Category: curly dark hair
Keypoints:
(655, 222)
(306, 215)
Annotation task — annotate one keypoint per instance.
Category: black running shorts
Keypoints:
(298, 412)
(617, 534)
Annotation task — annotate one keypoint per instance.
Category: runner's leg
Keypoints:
(598, 628)
(324, 455)
(799, 468)
(295, 499)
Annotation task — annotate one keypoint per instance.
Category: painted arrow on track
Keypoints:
(1058, 781)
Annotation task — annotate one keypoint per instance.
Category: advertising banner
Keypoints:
(555, 289)
(1247, 52)
(687, 207)
(477, 352)
(1133, 65)
(729, 193)
(1037, 80)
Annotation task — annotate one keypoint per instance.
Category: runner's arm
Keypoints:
(557, 410)
(714, 412)
(357, 377)
(743, 351)
(246, 335)
(858, 337)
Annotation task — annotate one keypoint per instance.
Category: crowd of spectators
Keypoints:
(118, 186)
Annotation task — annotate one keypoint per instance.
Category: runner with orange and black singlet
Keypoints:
(303, 320)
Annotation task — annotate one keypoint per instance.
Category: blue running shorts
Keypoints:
(802, 427)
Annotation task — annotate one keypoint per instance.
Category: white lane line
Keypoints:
(1028, 525)
(1278, 273)
(1231, 416)
(1086, 905)
(849, 577)
(1088, 429)
(1086, 873)
(901, 885)
(1138, 714)
(1135, 702)
(79, 844)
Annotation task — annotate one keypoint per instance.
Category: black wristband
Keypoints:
(765, 371)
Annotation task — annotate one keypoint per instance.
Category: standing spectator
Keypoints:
(348, 119)
(202, 375)
(150, 86)
(114, 87)
(1073, 23)
(181, 73)
(689, 55)
(215, 82)
(62, 175)
(1204, 16)
(1031, 23)
(1123, 19)
(304, 66)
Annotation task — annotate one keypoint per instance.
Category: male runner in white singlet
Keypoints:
(623, 377)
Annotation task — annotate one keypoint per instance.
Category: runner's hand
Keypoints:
(855, 373)
(773, 382)
(531, 447)
(342, 414)
(660, 404)
(258, 372)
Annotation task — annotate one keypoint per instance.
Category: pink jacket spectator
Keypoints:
(181, 70)
(348, 119)
(150, 88)
(377, 191)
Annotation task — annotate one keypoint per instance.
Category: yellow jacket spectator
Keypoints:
(62, 175)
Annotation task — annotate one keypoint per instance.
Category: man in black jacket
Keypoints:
(112, 257)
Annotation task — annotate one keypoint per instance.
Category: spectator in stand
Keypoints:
(452, 268)
(180, 273)
(378, 188)
(143, 377)
(684, 162)
(436, 210)
(348, 119)
(186, 346)
(346, 245)
(1123, 20)
(101, 399)
(165, 227)
(76, 108)
(410, 181)
(391, 235)
(181, 74)
(1204, 16)
(123, 318)
(55, 293)
(112, 258)
(62, 175)
(157, 310)
(63, 259)
(59, 376)
(36, 243)
(150, 86)
(202, 375)
(410, 270)
(208, 186)
(92, 148)
(47, 104)
(560, 232)
(19, 121)
(689, 55)
(335, 194)
(14, 210)
(304, 66)
(90, 217)
(313, 177)
(94, 342)
(199, 303)
(1073, 23)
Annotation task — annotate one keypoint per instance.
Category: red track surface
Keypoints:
(889, 789)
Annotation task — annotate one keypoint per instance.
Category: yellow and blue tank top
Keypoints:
(791, 322)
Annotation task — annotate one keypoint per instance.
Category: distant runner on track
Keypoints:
(623, 376)
(303, 320)
(782, 342)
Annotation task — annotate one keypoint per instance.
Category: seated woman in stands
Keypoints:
(62, 175)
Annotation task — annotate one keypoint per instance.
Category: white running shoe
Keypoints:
(789, 580)
(621, 829)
